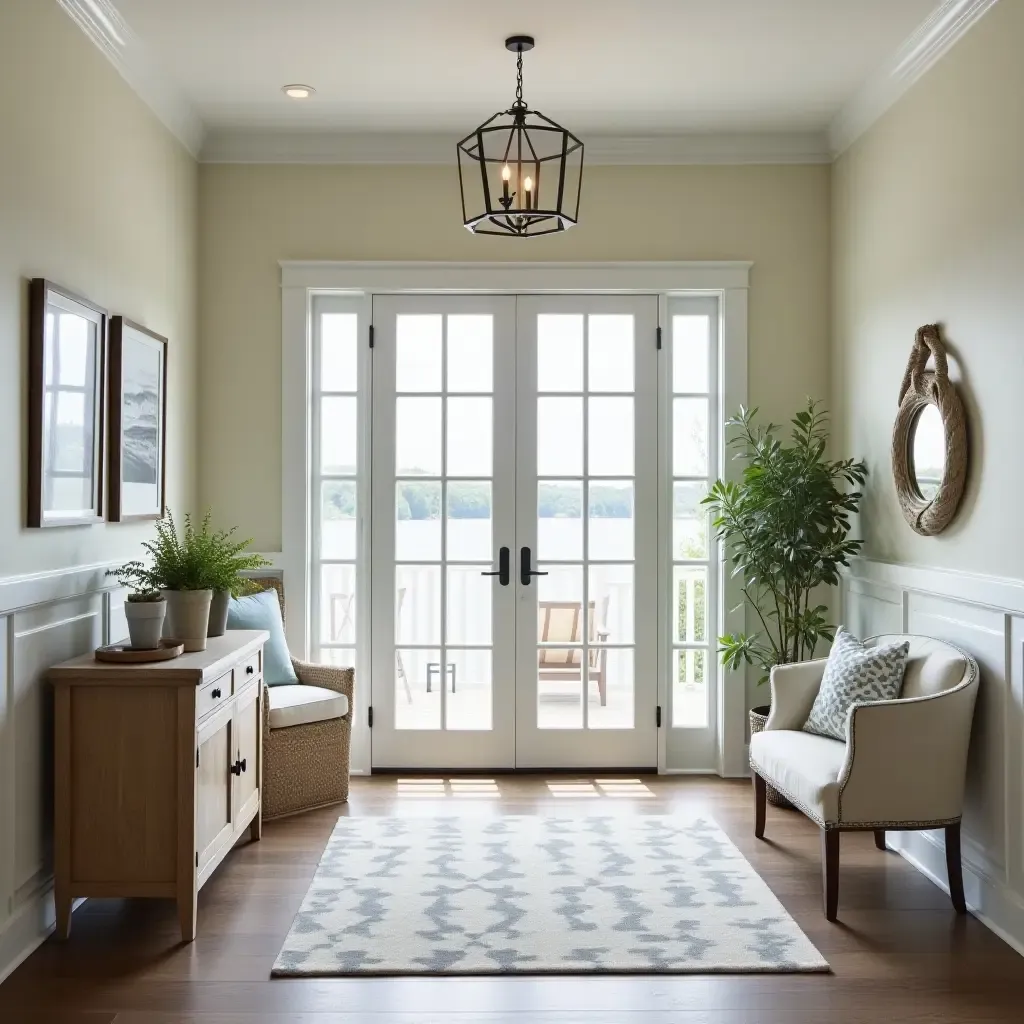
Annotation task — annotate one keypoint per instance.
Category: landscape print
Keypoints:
(138, 358)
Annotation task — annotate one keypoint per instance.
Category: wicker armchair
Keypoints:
(307, 765)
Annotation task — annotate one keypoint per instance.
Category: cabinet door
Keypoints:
(247, 725)
(214, 789)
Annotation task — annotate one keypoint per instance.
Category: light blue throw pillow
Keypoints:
(262, 611)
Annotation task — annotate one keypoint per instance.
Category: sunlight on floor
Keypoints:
(469, 788)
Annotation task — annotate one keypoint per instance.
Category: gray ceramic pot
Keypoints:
(219, 613)
(145, 623)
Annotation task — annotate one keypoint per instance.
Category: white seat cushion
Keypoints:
(804, 766)
(296, 704)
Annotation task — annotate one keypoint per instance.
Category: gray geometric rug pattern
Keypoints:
(644, 894)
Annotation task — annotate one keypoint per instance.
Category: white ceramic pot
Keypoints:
(188, 617)
(145, 623)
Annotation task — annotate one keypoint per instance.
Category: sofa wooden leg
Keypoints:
(880, 838)
(760, 803)
(954, 868)
(830, 871)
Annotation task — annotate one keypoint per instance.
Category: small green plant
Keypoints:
(785, 527)
(145, 597)
(200, 559)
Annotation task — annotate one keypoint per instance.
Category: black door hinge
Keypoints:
(369, 715)
(371, 335)
(657, 717)
(658, 335)
(197, 860)
(197, 757)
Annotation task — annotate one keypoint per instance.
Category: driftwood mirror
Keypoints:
(929, 441)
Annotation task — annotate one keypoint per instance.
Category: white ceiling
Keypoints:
(633, 67)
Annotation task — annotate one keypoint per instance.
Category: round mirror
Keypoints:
(928, 451)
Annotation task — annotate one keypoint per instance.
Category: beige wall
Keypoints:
(928, 220)
(97, 195)
(253, 216)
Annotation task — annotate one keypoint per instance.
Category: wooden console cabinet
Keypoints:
(157, 772)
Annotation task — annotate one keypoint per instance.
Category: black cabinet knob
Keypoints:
(236, 768)
(242, 763)
(248, 670)
(215, 692)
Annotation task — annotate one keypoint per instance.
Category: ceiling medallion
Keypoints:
(520, 173)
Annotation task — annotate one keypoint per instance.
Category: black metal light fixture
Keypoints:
(520, 173)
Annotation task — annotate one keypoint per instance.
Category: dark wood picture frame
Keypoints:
(43, 296)
(121, 329)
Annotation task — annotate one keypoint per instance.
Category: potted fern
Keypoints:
(144, 608)
(784, 527)
(227, 580)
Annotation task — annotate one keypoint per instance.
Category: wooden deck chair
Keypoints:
(559, 622)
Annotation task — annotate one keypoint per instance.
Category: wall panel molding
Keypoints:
(45, 618)
(985, 616)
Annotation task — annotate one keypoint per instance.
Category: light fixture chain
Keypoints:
(519, 79)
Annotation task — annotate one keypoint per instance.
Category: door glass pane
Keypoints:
(343, 657)
(338, 351)
(690, 603)
(417, 604)
(560, 352)
(610, 353)
(611, 598)
(415, 707)
(338, 519)
(560, 520)
(689, 520)
(338, 435)
(610, 523)
(418, 520)
(689, 689)
(469, 521)
(469, 605)
(417, 436)
(560, 604)
(691, 337)
(470, 352)
(560, 436)
(610, 436)
(469, 437)
(560, 688)
(418, 352)
(610, 688)
(469, 700)
(338, 604)
(690, 437)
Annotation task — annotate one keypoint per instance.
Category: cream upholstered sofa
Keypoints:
(902, 766)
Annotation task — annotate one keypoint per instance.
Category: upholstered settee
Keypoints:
(902, 765)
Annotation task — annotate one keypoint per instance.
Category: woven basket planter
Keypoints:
(758, 718)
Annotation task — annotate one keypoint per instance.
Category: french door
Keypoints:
(514, 477)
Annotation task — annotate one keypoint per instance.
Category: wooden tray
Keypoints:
(123, 654)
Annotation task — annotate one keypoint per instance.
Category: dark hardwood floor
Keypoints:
(899, 953)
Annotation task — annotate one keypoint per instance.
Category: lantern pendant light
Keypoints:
(520, 173)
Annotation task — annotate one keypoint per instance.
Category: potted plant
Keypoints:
(227, 580)
(145, 607)
(784, 527)
(185, 570)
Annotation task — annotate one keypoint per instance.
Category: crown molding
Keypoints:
(273, 146)
(101, 21)
(942, 30)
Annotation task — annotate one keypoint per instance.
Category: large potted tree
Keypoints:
(785, 529)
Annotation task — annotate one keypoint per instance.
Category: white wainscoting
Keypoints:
(44, 619)
(985, 616)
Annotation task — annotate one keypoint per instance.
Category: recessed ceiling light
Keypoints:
(298, 92)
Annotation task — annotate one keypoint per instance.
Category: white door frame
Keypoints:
(301, 280)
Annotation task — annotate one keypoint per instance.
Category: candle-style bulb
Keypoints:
(506, 173)
(528, 186)
(528, 183)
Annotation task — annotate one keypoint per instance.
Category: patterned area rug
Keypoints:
(530, 895)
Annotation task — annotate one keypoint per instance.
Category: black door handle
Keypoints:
(525, 572)
(236, 768)
(502, 571)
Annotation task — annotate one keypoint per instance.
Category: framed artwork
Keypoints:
(137, 421)
(67, 349)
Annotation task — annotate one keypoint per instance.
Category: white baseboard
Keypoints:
(26, 930)
(997, 909)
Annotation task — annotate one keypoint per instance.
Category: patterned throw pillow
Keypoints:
(854, 674)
